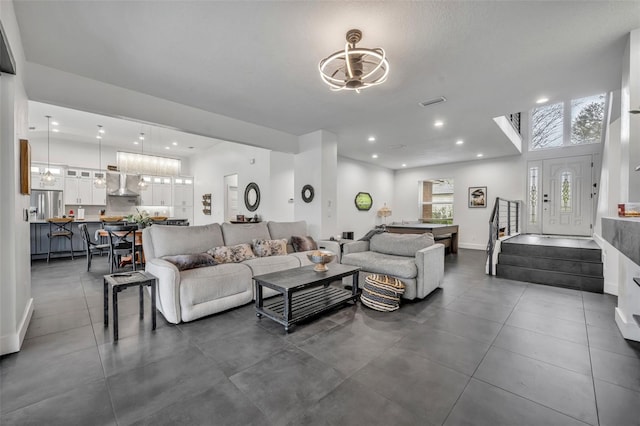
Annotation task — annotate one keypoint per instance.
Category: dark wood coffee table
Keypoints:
(303, 292)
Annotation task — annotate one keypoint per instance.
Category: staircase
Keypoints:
(557, 261)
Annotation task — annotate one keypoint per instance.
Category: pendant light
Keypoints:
(142, 184)
(100, 182)
(48, 179)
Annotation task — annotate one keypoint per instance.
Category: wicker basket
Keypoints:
(382, 292)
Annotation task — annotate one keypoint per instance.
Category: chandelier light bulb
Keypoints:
(354, 68)
(48, 179)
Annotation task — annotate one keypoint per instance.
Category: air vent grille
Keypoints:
(432, 101)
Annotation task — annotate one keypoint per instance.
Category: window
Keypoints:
(565, 192)
(568, 123)
(436, 201)
(533, 195)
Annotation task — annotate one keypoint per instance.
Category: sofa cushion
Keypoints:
(397, 266)
(286, 230)
(303, 243)
(244, 233)
(204, 284)
(231, 254)
(191, 261)
(265, 248)
(266, 265)
(172, 240)
(400, 244)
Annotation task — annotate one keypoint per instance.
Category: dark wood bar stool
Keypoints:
(60, 228)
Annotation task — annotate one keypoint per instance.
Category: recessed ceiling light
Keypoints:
(439, 123)
(55, 130)
(54, 123)
(175, 143)
(374, 156)
(135, 142)
(141, 137)
(101, 131)
(166, 147)
(404, 165)
(371, 139)
(479, 155)
(542, 100)
(98, 137)
(459, 142)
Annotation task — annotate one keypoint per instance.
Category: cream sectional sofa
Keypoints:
(194, 293)
(412, 258)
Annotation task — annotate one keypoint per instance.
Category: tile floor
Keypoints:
(480, 351)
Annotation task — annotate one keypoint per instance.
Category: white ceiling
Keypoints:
(257, 61)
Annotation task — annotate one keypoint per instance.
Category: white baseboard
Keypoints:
(472, 246)
(611, 288)
(13, 342)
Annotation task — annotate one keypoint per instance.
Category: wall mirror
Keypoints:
(307, 193)
(252, 197)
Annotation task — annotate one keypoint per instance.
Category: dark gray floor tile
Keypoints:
(618, 369)
(464, 325)
(57, 322)
(549, 309)
(221, 404)
(601, 319)
(559, 352)
(243, 348)
(460, 353)
(403, 377)
(563, 329)
(566, 391)
(482, 404)
(535, 295)
(350, 346)
(143, 391)
(283, 385)
(485, 310)
(493, 296)
(87, 404)
(53, 307)
(136, 351)
(354, 404)
(49, 376)
(612, 341)
(617, 406)
(215, 326)
(128, 326)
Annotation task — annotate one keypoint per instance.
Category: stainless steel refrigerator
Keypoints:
(47, 203)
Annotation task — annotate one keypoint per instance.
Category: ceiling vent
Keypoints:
(432, 101)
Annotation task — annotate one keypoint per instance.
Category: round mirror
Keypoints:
(307, 193)
(252, 197)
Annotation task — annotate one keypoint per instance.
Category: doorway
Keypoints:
(230, 197)
(564, 203)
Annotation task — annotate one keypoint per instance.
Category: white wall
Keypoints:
(503, 177)
(281, 204)
(354, 177)
(16, 303)
(209, 169)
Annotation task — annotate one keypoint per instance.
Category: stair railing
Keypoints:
(504, 221)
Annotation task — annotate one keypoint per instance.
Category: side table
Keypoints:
(119, 282)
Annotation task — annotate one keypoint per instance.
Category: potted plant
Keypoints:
(141, 218)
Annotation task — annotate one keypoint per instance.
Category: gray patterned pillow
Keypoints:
(264, 248)
(303, 243)
(190, 261)
(231, 254)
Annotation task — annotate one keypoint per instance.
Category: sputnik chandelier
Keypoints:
(354, 68)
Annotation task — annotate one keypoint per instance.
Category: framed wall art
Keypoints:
(477, 196)
(25, 167)
(363, 201)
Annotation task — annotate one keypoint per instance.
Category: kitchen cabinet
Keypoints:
(78, 185)
(37, 170)
(183, 192)
(99, 195)
(40, 241)
(160, 191)
(79, 189)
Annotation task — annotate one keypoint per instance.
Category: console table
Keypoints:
(435, 228)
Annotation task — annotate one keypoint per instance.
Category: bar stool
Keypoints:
(60, 228)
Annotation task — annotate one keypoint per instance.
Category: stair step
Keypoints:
(553, 278)
(572, 266)
(568, 253)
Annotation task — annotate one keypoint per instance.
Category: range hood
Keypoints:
(122, 185)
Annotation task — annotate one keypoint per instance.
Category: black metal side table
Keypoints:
(119, 282)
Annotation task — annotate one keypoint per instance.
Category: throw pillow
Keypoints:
(231, 254)
(303, 243)
(190, 261)
(264, 248)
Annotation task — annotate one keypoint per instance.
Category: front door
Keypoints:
(567, 203)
